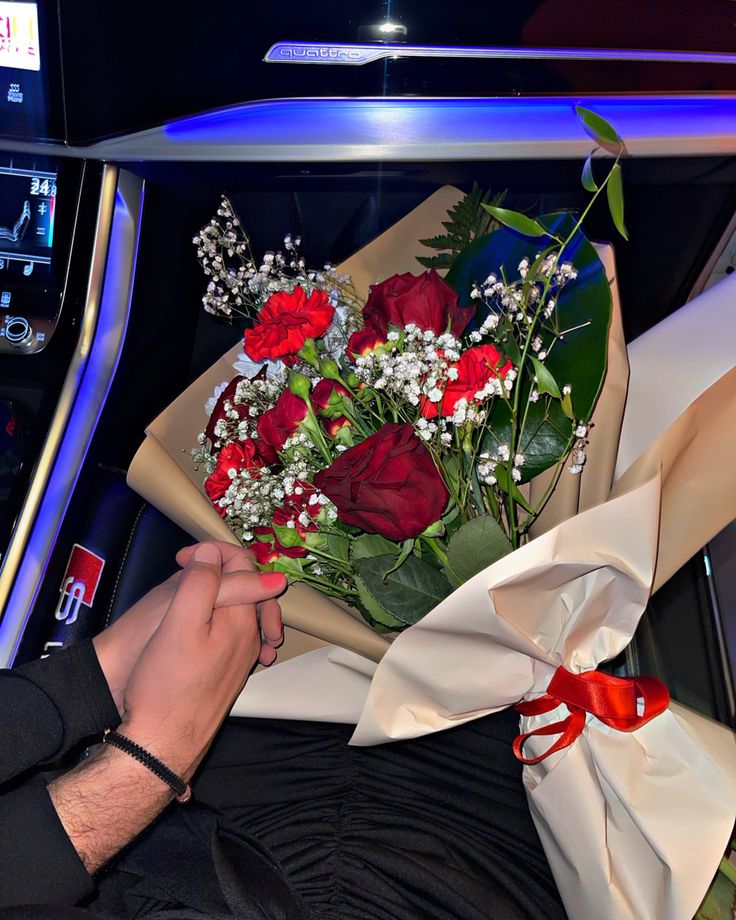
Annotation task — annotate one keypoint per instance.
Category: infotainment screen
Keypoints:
(35, 238)
(27, 210)
(30, 77)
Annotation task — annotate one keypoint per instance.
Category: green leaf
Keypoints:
(339, 546)
(477, 544)
(408, 593)
(375, 612)
(546, 383)
(287, 536)
(371, 544)
(294, 568)
(578, 359)
(600, 130)
(566, 406)
(507, 485)
(515, 220)
(589, 183)
(615, 193)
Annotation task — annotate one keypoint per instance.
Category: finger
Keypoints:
(197, 589)
(235, 558)
(267, 655)
(249, 588)
(272, 627)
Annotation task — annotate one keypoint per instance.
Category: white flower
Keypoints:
(247, 368)
(209, 406)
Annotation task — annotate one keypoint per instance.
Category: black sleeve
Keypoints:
(46, 707)
(38, 862)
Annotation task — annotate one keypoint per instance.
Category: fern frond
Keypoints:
(467, 221)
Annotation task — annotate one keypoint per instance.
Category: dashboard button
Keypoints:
(18, 330)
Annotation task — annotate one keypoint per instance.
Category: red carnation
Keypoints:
(280, 423)
(363, 342)
(334, 425)
(425, 300)
(474, 369)
(298, 502)
(387, 484)
(238, 455)
(285, 322)
(325, 397)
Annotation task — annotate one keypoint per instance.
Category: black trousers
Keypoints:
(291, 823)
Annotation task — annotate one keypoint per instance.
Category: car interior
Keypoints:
(118, 135)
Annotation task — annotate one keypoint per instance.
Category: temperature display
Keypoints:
(27, 208)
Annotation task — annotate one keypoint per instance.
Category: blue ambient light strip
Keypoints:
(93, 384)
(391, 128)
(355, 54)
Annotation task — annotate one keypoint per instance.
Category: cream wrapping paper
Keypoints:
(633, 824)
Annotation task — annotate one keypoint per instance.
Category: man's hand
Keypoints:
(119, 647)
(177, 695)
(236, 559)
(198, 659)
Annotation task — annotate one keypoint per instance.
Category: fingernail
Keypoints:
(272, 581)
(208, 553)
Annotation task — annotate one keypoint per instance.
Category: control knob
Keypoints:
(18, 330)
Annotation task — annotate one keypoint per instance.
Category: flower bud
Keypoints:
(299, 386)
(330, 369)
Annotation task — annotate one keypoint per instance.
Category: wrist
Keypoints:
(174, 752)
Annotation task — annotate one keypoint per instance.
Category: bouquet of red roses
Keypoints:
(380, 451)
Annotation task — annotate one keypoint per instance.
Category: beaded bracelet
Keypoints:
(182, 790)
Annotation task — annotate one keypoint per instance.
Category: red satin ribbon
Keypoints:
(613, 700)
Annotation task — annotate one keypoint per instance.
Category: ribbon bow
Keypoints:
(613, 700)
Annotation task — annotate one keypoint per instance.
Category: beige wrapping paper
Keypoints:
(633, 824)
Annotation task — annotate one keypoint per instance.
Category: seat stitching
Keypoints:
(122, 562)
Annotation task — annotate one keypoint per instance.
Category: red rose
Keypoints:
(325, 397)
(285, 322)
(425, 300)
(279, 423)
(387, 484)
(474, 369)
(238, 455)
(363, 342)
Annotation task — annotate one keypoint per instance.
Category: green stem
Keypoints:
(433, 544)
(338, 563)
(329, 586)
